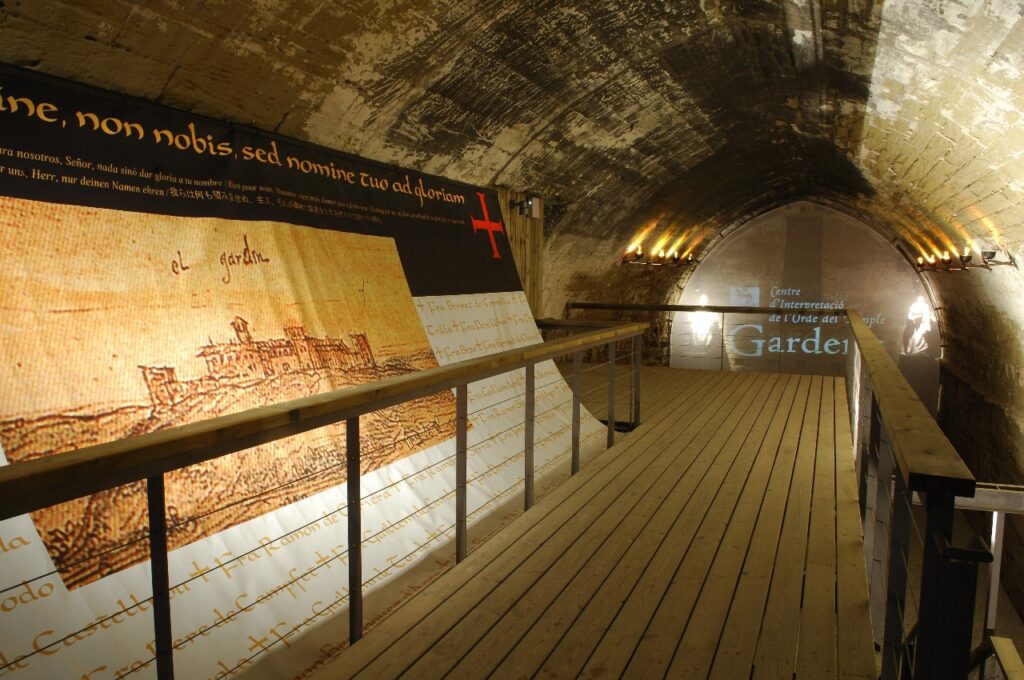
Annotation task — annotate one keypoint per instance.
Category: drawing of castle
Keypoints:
(244, 358)
(240, 373)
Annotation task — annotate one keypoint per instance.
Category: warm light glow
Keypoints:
(662, 242)
(919, 319)
(920, 260)
(993, 229)
(659, 251)
(945, 256)
(929, 244)
(964, 235)
(678, 245)
(703, 322)
(930, 258)
(639, 239)
(692, 248)
(915, 245)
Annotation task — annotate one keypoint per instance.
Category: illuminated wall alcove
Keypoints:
(791, 259)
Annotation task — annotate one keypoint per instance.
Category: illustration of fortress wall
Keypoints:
(244, 358)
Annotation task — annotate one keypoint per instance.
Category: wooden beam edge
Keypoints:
(45, 481)
(926, 458)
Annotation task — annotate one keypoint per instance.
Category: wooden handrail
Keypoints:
(925, 457)
(43, 482)
(1008, 658)
(567, 324)
(718, 309)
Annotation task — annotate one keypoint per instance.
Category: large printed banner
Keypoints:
(803, 261)
(160, 269)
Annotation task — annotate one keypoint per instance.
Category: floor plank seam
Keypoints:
(700, 524)
(676, 520)
(705, 384)
(756, 523)
(611, 621)
(708, 407)
(739, 497)
(804, 399)
(699, 546)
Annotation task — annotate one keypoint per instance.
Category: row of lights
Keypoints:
(636, 255)
(946, 262)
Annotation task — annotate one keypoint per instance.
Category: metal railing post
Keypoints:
(992, 604)
(160, 577)
(868, 492)
(879, 537)
(637, 358)
(461, 424)
(861, 429)
(577, 387)
(528, 443)
(355, 531)
(611, 394)
(721, 366)
(896, 590)
(998, 528)
(933, 629)
(868, 502)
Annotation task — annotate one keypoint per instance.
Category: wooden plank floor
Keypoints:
(718, 540)
(657, 385)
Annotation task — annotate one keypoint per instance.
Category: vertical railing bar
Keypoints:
(637, 358)
(577, 387)
(868, 523)
(461, 425)
(721, 350)
(528, 443)
(880, 529)
(896, 588)
(160, 576)
(355, 531)
(864, 426)
(934, 635)
(872, 446)
(611, 394)
(998, 527)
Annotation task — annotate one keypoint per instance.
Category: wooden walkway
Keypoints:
(720, 539)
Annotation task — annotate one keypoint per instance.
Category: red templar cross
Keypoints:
(487, 225)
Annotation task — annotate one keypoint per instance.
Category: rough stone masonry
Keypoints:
(696, 113)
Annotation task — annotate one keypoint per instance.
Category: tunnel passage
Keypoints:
(797, 260)
(699, 115)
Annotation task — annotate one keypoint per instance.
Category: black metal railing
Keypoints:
(41, 483)
(921, 586)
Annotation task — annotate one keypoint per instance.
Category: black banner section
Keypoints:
(61, 142)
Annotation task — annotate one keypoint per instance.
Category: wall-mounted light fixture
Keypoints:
(529, 207)
(671, 258)
(962, 261)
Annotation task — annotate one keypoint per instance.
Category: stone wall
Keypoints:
(692, 115)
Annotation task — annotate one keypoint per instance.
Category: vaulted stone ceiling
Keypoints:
(692, 113)
(695, 114)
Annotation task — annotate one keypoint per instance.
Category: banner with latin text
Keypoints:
(161, 269)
